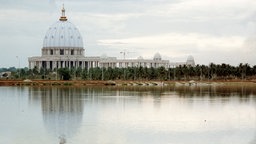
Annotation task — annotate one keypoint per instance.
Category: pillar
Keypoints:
(40, 64)
(47, 64)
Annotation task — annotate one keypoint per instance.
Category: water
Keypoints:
(125, 115)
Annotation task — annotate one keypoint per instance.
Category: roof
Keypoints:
(63, 34)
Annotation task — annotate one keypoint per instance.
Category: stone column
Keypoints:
(47, 64)
(82, 64)
(54, 64)
(29, 65)
(40, 65)
(58, 64)
(89, 64)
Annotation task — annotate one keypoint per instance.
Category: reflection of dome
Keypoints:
(62, 112)
(157, 56)
(190, 61)
(63, 34)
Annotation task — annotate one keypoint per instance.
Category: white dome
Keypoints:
(63, 34)
(104, 56)
(190, 58)
(157, 56)
(190, 61)
(140, 58)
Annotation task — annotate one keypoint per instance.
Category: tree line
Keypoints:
(182, 72)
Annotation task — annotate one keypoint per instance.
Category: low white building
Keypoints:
(63, 47)
(139, 62)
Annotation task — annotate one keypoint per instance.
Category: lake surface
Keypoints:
(128, 115)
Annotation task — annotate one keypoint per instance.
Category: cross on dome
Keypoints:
(63, 17)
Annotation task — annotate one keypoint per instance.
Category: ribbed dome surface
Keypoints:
(63, 34)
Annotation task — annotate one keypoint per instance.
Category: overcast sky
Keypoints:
(218, 31)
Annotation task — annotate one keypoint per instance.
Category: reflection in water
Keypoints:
(62, 110)
(215, 91)
(151, 115)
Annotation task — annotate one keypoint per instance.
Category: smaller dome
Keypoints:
(140, 58)
(157, 56)
(190, 58)
(104, 56)
(190, 61)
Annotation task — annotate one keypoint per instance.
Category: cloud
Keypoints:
(204, 9)
(176, 43)
(32, 5)
(209, 30)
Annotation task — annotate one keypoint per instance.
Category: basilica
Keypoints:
(63, 48)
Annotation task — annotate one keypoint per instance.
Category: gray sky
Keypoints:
(218, 31)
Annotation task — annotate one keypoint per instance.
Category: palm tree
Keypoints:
(161, 73)
(185, 72)
(212, 70)
(78, 72)
(152, 73)
(178, 72)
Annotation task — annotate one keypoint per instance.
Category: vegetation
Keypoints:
(199, 72)
(65, 73)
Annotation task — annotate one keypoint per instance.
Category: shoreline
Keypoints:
(122, 83)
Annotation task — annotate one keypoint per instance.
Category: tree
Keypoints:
(185, 71)
(139, 72)
(178, 72)
(64, 73)
(152, 73)
(79, 72)
(161, 73)
(213, 70)
(84, 74)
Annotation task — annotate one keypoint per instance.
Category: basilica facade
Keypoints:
(63, 48)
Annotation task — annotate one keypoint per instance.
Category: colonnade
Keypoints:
(92, 62)
(62, 64)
